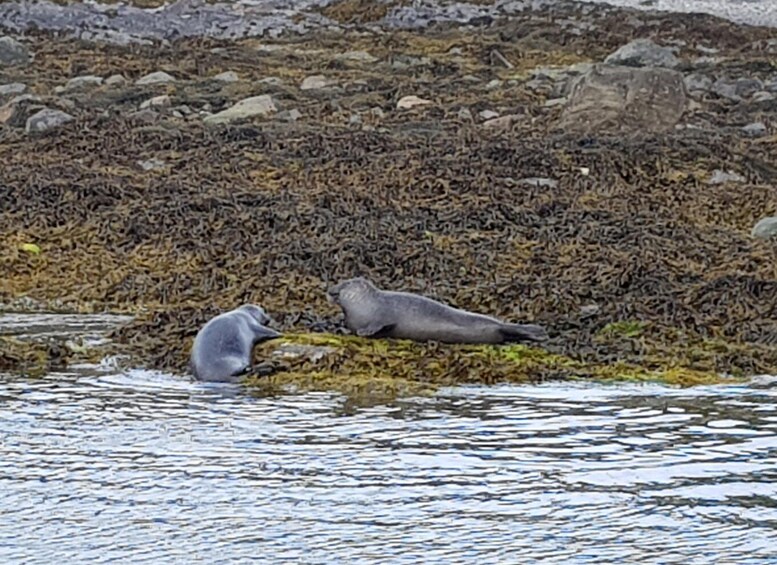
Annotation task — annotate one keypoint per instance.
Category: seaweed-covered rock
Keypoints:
(625, 99)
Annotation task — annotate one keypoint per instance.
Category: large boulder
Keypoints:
(620, 99)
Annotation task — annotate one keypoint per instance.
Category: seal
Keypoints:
(223, 347)
(371, 312)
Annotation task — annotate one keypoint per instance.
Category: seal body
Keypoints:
(223, 347)
(371, 312)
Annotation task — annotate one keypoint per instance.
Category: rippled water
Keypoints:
(98, 466)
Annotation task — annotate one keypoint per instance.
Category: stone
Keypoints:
(720, 177)
(377, 112)
(488, 114)
(756, 129)
(151, 164)
(355, 119)
(493, 84)
(763, 96)
(146, 116)
(765, 228)
(247, 108)
(697, 81)
(538, 182)
(499, 123)
(15, 112)
(183, 109)
(115, 80)
(624, 99)
(357, 57)
(86, 81)
(47, 119)
(293, 115)
(12, 52)
(158, 77)
(317, 82)
(553, 102)
(12, 89)
(408, 61)
(273, 81)
(736, 89)
(407, 102)
(227, 76)
(643, 53)
(162, 101)
(465, 114)
(589, 310)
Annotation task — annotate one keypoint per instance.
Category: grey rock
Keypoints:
(162, 101)
(16, 111)
(151, 164)
(589, 310)
(553, 102)
(146, 116)
(12, 52)
(357, 56)
(86, 81)
(355, 119)
(501, 122)
(294, 115)
(12, 88)
(183, 109)
(247, 108)
(317, 82)
(227, 76)
(643, 53)
(763, 96)
(47, 119)
(488, 114)
(465, 114)
(377, 112)
(408, 61)
(115, 80)
(493, 84)
(697, 81)
(158, 77)
(765, 228)
(736, 89)
(471, 78)
(624, 99)
(273, 81)
(538, 182)
(756, 129)
(720, 177)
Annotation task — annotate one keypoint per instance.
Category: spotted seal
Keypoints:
(371, 312)
(223, 347)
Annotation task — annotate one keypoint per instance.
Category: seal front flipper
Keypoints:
(523, 332)
(374, 329)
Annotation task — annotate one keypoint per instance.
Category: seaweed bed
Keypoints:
(636, 264)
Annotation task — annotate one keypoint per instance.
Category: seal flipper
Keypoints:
(523, 332)
(374, 329)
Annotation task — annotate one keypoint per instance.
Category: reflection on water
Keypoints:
(142, 467)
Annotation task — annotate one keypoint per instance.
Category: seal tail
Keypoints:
(523, 332)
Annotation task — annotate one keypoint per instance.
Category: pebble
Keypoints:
(493, 84)
(86, 81)
(472, 78)
(756, 129)
(407, 102)
(317, 82)
(294, 115)
(643, 53)
(765, 228)
(12, 88)
(158, 77)
(247, 108)
(589, 310)
(488, 114)
(12, 52)
(162, 101)
(720, 177)
(313, 353)
(227, 76)
(47, 119)
(465, 114)
(115, 80)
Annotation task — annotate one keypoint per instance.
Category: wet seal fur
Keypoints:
(371, 312)
(223, 348)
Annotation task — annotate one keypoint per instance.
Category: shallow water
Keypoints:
(99, 466)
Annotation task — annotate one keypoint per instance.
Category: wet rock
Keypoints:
(720, 177)
(317, 82)
(47, 119)
(158, 77)
(697, 81)
(357, 57)
(86, 81)
(227, 76)
(12, 89)
(538, 182)
(407, 102)
(766, 228)
(643, 53)
(488, 114)
(248, 108)
(736, 89)
(625, 99)
(162, 101)
(12, 52)
(756, 129)
(115, 80)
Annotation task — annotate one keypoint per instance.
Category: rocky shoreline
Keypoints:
(607, 173)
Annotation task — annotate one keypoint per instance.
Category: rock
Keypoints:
(499, 123)
(488, 114)
(756, 129)
(15, 112)
(274, 81)
(47, 119)
(159, 77)
(86, 81)
(765, 228)
(248, 108)
(12, 88)
(355, 119)
(589, 310)
(357, 56)
(317, 82)
(162, 101)
(227, 76)
(697, 81)
(294, 115)
(553, 102)
(377, 112)
(146, 116)
(763, 96)
(720, 177)
(12, 52)
(151, 164)
(115, 80)
(407, 61)
(493, 84)
(183, 109)
(643, 53)
(625, 99)
(538, 182)
(472, 78)
(736, 89)
(407, 102)
(465, 114)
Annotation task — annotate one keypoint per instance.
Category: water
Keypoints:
(98, 466)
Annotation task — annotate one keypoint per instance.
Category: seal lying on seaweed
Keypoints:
(371, 312)
(223, 348)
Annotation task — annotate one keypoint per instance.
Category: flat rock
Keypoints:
(86, 81)
(227, 76)
(158, 77)
(643, 53)
(47, 119)
(407, 102)
(12, 89)
(766, 228)
(625, 99)
(317, 82)
(12, 52)
(248, 108)
(719, 177)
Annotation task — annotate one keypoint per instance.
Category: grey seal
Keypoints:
(371, 312)
(223, 347)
